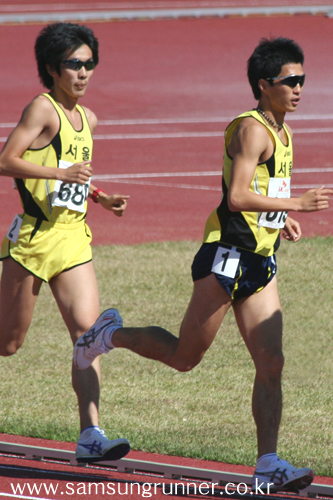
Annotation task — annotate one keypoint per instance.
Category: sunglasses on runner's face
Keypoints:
(290, 80)
(76, 64)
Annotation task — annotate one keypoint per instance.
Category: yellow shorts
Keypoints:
(51, 249)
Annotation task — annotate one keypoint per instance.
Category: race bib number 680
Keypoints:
(71, 196)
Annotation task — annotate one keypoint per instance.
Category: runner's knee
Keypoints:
(8, 349)
(270, 366)
(9, 346)
(186, 364)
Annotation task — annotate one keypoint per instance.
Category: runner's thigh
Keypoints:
(77, 296)
(259, 318)
(204, 315)
(18, 295)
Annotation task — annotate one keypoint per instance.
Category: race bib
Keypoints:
(71, 196)
(277, 188)
(14, 229)
(226, 262)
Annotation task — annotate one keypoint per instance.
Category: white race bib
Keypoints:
(278, 187)
(226, 262)
(71, 196)
(14, 229)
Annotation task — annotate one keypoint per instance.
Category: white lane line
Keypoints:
(135, 179)
(157, 174)
(200, 187)
(165, 135)
(183, 135)
(133, 5)
(312, 170)
(170, 135)
(9, 495)
(109, 15)
(310, 186)
(323, 130)
(177, 120)
(113, 6)
(162, 184)
(107, 177)
(208, 119)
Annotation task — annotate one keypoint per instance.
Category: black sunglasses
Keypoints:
(291, 80)
(76, 64)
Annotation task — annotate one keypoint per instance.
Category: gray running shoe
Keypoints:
(280, 475)
(91, 344)
(98, 448)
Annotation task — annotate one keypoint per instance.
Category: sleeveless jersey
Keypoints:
(49, 199)
(252, 231)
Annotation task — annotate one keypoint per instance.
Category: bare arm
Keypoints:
(116, 203)
(38, 125)
(249, 146)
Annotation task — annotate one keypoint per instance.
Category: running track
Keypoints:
(164, 92)
(19, 477)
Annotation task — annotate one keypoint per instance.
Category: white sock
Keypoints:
(85, 434)
(107, 337)
(265, 460)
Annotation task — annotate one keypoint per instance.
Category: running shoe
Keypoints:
(98, 447)
(92, 344)
(280, 475)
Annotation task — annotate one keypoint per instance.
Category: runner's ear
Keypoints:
(263, 85)
(51, 71)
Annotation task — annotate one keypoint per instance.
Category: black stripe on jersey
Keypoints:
(277, 243)
(270, 163)
(234, 228)
(56, 144)
(30, 206)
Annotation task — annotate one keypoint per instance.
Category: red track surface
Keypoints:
(177, 70)
(68, 478)
(75, 5)
(16, 470)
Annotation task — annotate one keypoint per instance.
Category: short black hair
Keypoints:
(269, 57)
(56, 42)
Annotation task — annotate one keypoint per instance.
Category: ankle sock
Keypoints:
(107, 337)
(85, 434)
(265, 460)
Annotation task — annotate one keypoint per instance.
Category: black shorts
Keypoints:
(252, 272)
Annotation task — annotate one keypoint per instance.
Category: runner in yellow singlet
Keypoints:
(236, 266)
(49, 155)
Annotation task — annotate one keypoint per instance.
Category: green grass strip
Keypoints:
(206, 413)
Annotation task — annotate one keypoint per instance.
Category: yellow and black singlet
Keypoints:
(52, 200)
(256, 232)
